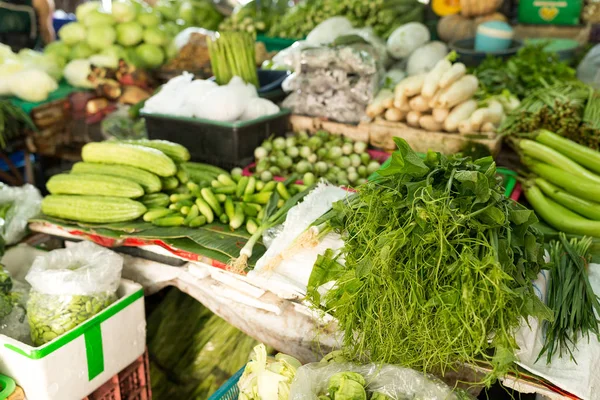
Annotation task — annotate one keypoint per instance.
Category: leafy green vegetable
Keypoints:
(571, 297)
(438, 266)
(531, 68)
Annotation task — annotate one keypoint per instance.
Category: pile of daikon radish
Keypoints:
(439, 100)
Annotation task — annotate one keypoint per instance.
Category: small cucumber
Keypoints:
(212, 201)
(269, 187)
(223, 218)
(221, 197)
(192, 214)
(282, 191)
(251, 226)
(176, 220)
(241, 186)
(169, 183)
(197, 222)
(180, 197)
(205, 210)
(229, 208)
(225, 190)
(249, 210)
(226, 180)
(155, 213)
(251, 187)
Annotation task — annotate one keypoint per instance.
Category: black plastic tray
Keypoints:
(226, 144)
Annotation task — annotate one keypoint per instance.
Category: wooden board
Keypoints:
(381, 133)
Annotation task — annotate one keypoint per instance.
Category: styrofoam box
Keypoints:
(76, 363)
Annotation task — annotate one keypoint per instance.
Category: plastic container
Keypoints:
(225, 144)
(133, 383)
(274, 43)
(493, 36)
(78, 362)
(229, 390)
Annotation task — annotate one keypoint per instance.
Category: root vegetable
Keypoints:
(405, 107)
(410, 86)
(461, 112)
(412, 118)
(434, 100)
(419, 103)
(428, 123)
(400, 102)
(492, 113)
(434, 77)
(394, 115)
(452, 75)
(460, 91)
(488, 127)
(389, 102)
(440, 114)
(465, 127)
(377, 106)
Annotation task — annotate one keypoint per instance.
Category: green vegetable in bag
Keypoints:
(52, 315)
(350, 389)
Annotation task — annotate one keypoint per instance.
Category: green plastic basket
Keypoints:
(229, 390)
(275, 43)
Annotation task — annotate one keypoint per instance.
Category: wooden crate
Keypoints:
(381, 133)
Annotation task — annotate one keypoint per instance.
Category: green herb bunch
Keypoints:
(530, 69)
(438, 266)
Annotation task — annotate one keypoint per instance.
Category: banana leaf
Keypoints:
(215, 241)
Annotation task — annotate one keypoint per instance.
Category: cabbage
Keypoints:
(129, 33)
(150, 55)
(149, 17)
(76, 73)
(124, 10)
(72, 33)
(58, 48)
(32, 85)
(84, 9)
(97, 17)
(101, 36)
(81, 50)
(155, 36)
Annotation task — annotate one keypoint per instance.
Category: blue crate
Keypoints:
(229, 390)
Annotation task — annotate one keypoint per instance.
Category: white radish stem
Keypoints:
(461, 112)
(394, 115)
(377, 106)
(412, 118)
(465, 127)
(460, 91)
(413, 85)
(440, 114)
(405, 107)
(419, 103)
(452, 75)
(428, 123)
(433, 78)
(488, 127)
(492, 113)
(400, 102)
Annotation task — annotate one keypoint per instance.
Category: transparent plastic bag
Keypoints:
(337, 105)
(312, 380)
(17, 205)
(588, 70)
(15, 324)
(346, 58)
(68, 287)
(121, 126)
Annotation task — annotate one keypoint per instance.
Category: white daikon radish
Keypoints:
(400, 102)
(433, 78)
(440, 114)
(460, 91)
(492, 113)
(377, 106)
(389, 103)
(412, 118)
(465, 127)
(419, 103)
(394, 115)
(405, 107)
(488, 127)
(428, 123)
(461, 112)
(412, 85)
(452, 75)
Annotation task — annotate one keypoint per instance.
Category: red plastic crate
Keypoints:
(133, 383)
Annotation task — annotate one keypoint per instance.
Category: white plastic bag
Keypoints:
(26, 203)
(395, 382)
(169, 99)
(69, 286)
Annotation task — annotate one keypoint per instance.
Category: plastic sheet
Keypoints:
(588, 70)
(68, 287)
(25, 202)
(312, 380)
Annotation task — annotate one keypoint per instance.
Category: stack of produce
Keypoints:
(192, 351)
(433, 252)
(460, 19)
(102, 189)
(232, 54)
(566, 187)
(571, 110)
(131, 30)
(441, 100)
(196, 13)
(254, 16)
(333, 82)
(383, 15)
(333, 157)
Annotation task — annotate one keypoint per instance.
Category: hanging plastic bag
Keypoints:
(68, 287)
(588, 70)
(17, 205)
(312, 381)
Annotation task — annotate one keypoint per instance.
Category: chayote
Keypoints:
(51, 315)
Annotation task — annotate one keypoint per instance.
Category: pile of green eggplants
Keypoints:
(51, 315)
(205, 194)
(565, 188)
